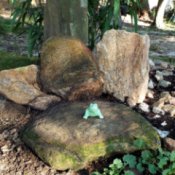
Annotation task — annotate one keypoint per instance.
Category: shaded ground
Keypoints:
(162, 46)
(13, 43)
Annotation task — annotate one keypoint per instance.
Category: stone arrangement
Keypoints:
(68, 80)
(165, 103)
(69, 71)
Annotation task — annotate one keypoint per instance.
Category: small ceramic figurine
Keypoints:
(93, 111)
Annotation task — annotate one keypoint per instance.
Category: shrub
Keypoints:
(28, 18)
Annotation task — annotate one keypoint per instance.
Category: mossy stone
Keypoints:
(69, 69)
(63, 139)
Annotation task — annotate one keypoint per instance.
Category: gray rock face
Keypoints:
(166, 103)
(144, 107)
(20, 84)
(69, 70)
(164, 83)
(43, 102)
(62, 138)
(123, 60)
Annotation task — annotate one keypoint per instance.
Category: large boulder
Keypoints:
(63, 139)
(21, 84)
(69, 70)
(123, 60)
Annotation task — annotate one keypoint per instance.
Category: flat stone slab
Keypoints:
(63, 139)
(20, 85)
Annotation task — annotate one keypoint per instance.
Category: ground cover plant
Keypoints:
(12, 60)
(29, 19)
(159, 162)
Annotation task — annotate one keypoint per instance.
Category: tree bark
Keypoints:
(66, 18)
(159, 23)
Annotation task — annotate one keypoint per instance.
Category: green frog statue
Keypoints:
(93, 111)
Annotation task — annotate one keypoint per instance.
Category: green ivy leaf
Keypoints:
(167, 153)
(130, 160)
(106, 171)
(140, 168)
(128, 173)
(166, 172)
(160, 150)
(152, 169)
(163, 153)
(173, 165)
(163, 161)
(172, 156)
(118, 163)
(146, 155)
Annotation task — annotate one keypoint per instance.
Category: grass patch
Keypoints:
(165, 59)
(12, 60)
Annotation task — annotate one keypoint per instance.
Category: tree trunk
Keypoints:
(66, 18)
(159, 23)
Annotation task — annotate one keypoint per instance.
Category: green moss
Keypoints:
(57, 157)
(62, 157)
(11, 60)
(119, 144)
(77, 156)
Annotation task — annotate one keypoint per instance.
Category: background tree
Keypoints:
(66, 18)
(160, 11)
